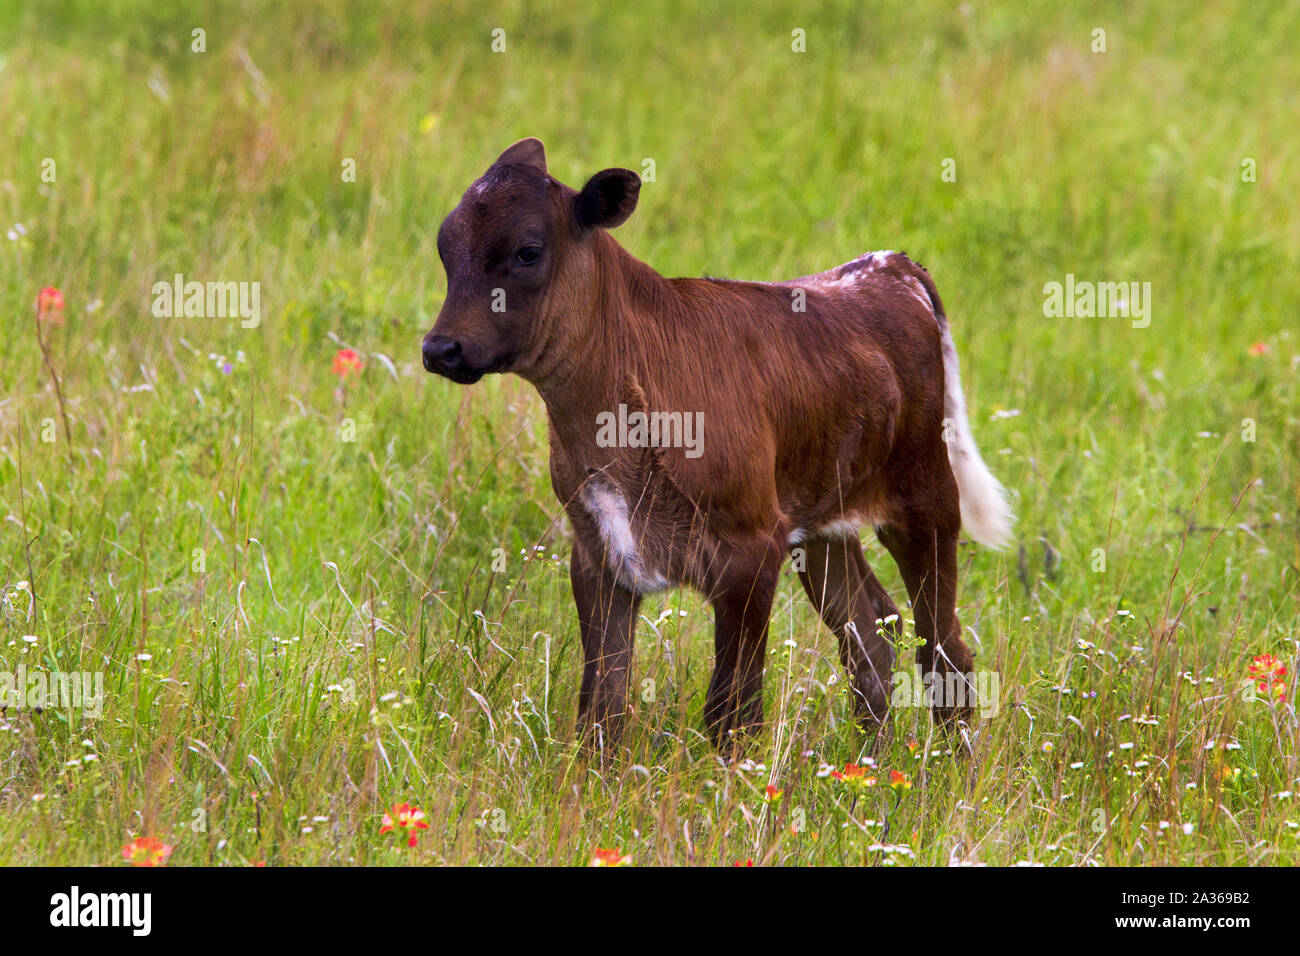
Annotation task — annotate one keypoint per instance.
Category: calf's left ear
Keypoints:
(608, 199)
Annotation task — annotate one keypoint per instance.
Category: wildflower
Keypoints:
(146, 851)
(1268, 672)
(746, 862)
(405, 817)
(854, 776)
(610, 857)
(1266, 666)
(346, 361)
(899, 781)
(772, 795)
(1257, 348)
(49, 305)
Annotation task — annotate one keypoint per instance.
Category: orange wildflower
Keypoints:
(146, 851)
(899, 781)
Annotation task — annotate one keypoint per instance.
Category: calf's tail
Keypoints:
(985, 513)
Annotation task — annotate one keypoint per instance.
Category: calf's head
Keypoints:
(519, 252)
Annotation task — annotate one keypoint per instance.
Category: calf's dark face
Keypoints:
(518, 258)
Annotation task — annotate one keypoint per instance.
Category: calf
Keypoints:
(822, 404)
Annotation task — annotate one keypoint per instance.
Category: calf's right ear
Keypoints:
(608, 199)
(526, 152)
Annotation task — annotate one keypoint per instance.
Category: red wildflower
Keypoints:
(346, 361)
(611, 857)
(1268, 672)
(1266, 666)
(745, 862)
(49, 305)
(407, 818)
(1258, 348)
(146, 851)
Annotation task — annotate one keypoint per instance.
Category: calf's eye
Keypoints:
(529, 254)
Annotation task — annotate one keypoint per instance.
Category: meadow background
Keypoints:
(297, 631)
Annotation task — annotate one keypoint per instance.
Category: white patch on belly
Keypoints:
(609, 509)
(848, 525)
(840, 528)
(797, 535)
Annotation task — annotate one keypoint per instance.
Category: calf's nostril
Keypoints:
(440, 353)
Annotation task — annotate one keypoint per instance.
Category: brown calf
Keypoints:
(818, 405)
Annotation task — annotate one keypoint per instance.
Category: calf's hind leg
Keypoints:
(924, 545)
(851, 601)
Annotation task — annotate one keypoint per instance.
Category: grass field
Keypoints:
(286, 579)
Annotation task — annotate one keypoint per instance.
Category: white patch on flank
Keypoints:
(983, 501)
(918, 292)
(609, 509)
(851, 279)
(877, 260)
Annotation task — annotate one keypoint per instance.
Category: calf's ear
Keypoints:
(526, 152)
(608, 199)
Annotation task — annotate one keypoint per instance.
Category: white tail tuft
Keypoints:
(984, 509)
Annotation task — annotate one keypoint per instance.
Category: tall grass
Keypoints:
(297, 631)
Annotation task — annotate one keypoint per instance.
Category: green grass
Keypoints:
(366, 565)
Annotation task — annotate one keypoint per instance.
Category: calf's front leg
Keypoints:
(607, 615)
(742, 604)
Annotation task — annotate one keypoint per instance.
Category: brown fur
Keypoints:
(811, 417)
